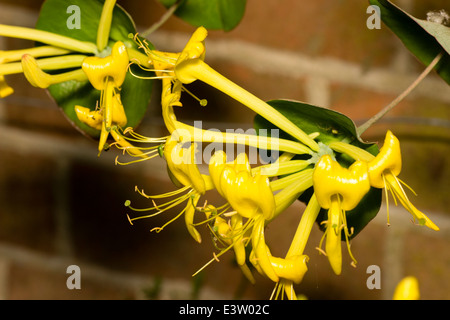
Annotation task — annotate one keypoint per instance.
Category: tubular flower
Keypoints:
(383, 172)
(181, 164)
(338, 190)
(248, 194)
(107, 74)
(185, 174)
(288, 270)
(40, 79)
(190, 67)
(232, 233)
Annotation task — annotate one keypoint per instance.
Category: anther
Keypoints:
(129, 219)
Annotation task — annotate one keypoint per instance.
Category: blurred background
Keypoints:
(62, 205)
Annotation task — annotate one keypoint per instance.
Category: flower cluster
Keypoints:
(254, 196)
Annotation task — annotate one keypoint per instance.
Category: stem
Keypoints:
(104, 25)
(48, 38)
(397, 100)
(197, 69)
(54, 63)
(163, 18)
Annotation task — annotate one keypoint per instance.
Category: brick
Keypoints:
(31, 283)
(106, 237)
(426, 257)
(319, 28)
(27, 198)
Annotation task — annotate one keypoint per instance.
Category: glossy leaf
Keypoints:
(135, 94)
(423, 38)
(211, 14)
(332, 126)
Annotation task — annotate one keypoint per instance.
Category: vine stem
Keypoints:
(396, 101)
(163, 18)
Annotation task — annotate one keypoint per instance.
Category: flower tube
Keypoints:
(190, 67)
(383, 172)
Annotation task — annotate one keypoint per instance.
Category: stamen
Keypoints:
(386, 195)
(159, 229)
(203, 102)
(164, 195)
(147, 78)
(213, 259)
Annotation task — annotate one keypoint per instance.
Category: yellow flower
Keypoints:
(407, 289)
(249, 194)
(338, 189)
(40, 79)
(232, 234)
(113, 68)
(181, 164)
(383, 172)
(191, 67)
(291, 268)
(106, 74)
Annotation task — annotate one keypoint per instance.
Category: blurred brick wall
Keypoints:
(61, 205)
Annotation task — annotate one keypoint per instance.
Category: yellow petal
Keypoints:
(394, 185)
(115, 66)
(407, 289)
(170, 97)
(118, 113)
(293, 268)
(238, 243)
(189, 218)
(193, 52)
(261, 252)
(131, 149)
(35, 76)
(389, 158)
(181, 163)
(38, 78)
(249, 195)
(333, 241)
(216, 165)
(93, 118)
(5, 89)
(329, 179)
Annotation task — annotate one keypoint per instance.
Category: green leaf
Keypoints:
(423, 38)
(135, 93)
(332, 126)
(211, 14)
